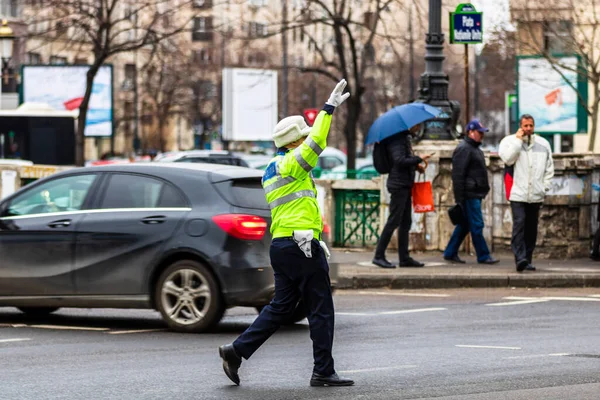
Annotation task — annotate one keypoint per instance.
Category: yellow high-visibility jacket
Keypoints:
(289, 187)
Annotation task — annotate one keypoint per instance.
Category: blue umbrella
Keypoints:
(398, 119)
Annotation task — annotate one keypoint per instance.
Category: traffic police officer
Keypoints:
(298, 257)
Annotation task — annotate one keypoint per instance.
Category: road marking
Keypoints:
(487, 347)
(135, 331)
(548, 298)
(403, 294)
(373, 314)
(516, 303)
(355, 371)
(14, 340)
(537, 356)
(595, 295)
(411, 311)
(62, 327)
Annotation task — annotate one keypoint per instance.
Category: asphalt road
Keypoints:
(498, 344)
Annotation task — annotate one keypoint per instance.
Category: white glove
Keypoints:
(337, 98)
(325, 249)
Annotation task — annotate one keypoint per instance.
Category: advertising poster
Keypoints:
(63, 88)
(549, 95)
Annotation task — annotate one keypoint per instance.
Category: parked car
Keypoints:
(188, 240)
(203, 156)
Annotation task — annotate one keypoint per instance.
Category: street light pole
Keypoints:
(434, 82)
(7, 40)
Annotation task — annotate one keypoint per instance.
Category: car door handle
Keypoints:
(157, 219)
(63, 223)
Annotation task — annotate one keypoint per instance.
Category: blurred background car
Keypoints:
(364, 170)
(203, 156)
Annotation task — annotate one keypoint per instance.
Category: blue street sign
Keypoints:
(466, 25)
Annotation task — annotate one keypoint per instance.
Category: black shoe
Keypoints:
(530, 268)
(410, 263)
(331, 380)
(490, 261)
(231, 362)
(521, 266)
(382, 263)
(455, 259)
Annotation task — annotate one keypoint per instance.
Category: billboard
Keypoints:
(63, 88)
(550, 93)
(249, 104)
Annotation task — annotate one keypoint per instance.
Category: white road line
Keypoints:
(355, 371)
(537, 356)
(559, 298)
(14, 340)
(403, 294)
(135, 331)
(354, 314)
(411, 311)
(595, 295)
(61, 327)
(516, 303)
(487, 347)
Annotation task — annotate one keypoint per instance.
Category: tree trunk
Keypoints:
(83, 110)
(354, 108)
(595, 109)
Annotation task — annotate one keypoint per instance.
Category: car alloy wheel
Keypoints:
(188, 297)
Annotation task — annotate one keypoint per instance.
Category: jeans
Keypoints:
(474, 225)
(400, 218)
(525, 230)
(296, 278)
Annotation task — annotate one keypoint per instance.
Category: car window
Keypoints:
(134, 191)
(328, 163)
(62, 194)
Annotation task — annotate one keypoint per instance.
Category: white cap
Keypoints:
(289, 130)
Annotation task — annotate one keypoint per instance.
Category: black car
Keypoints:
(186, 239)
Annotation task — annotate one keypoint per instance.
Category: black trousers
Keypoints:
(596, 244)
(525, 230)
(296, 277)
(400, 218)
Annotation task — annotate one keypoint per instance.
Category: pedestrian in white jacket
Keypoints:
(528, 177)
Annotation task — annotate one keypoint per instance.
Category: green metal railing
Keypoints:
(356, 218)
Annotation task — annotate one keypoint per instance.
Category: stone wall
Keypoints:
(568, 218)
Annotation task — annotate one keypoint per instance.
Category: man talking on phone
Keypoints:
(528, 177)
(400, 182)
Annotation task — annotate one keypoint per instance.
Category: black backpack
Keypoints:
(381, 158)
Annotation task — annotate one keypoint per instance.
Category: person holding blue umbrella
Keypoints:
(393, 130)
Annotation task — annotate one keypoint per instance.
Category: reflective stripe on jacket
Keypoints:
(533, 167)
(289, 187)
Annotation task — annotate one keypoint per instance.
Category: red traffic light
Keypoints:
(311, 114)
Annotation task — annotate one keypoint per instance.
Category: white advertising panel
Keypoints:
(548, 94)
(63, 88)
(249, 104)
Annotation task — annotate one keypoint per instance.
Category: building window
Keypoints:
(202, 29)
(80, 61)
(202, 4)
(257, 29)
(56, 60)
(558, 37)
(202, 56)
(258, 3)
(130, 74)
(34, 58)
(9, 8)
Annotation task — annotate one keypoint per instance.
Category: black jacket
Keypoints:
(402, 175)
(469, 173)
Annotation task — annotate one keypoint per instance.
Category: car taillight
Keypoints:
(242, 226)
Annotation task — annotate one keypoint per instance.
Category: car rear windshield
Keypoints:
(245, 193)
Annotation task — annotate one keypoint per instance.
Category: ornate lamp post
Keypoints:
(434, 82)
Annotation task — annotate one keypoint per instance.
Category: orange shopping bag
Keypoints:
(422, 194)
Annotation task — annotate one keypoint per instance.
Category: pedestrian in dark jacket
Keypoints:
(595, 253)
(400, 182)
(471, 186)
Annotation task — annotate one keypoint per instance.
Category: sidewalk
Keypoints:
(356, 272)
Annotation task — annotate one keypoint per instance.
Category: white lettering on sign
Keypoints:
(476, 35)
(462, 35)
(468, 21)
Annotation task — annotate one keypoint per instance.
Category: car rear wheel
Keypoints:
(38, 311)
(188, 297)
